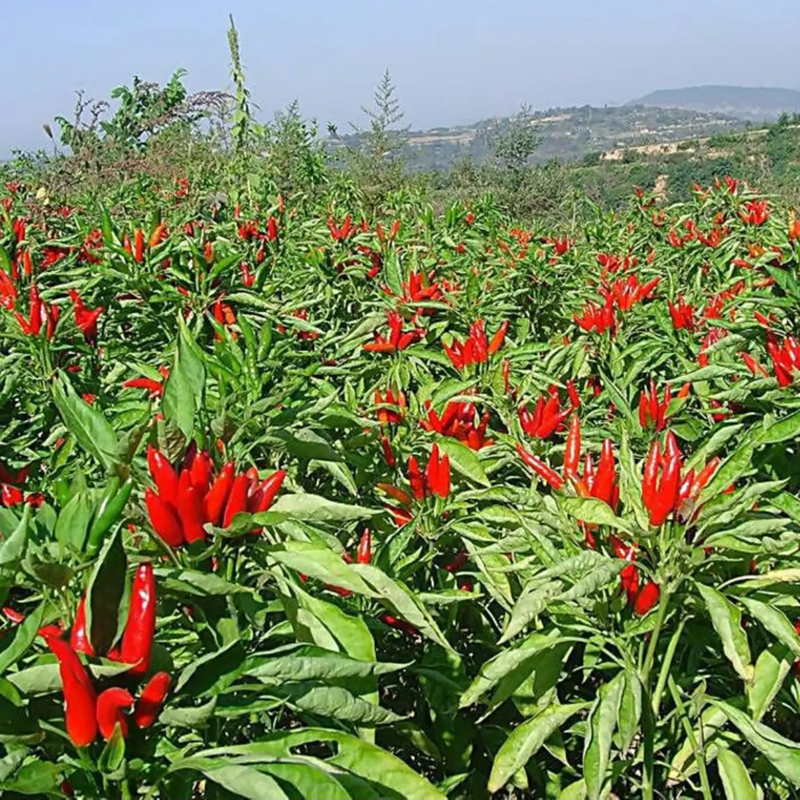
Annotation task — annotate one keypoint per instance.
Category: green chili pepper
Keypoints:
(108, 511)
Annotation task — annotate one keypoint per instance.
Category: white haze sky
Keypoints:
(452, 62)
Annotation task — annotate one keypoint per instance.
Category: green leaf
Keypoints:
(189, 716)
(526, 740)
(72, 524)
(593, 512)
(464, 460)
(727, 621)
(735, 778)
(597, 744)
(183, 390)
(242, 780)
(772, 667)
(12, 548)
(775, 621)
(783, 753)
(104, 594)
(86, 423)
(403, 602)
(321, 563)
(214, 672)
(529, 605)
(113, 754)
(386, 774)
(313, 508)
(330, 666)
(200, 584)
(335, 702)
(495, 669)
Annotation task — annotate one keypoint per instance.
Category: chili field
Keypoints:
(305, 501)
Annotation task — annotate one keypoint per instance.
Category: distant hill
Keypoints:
(748, 103)
(568, 134)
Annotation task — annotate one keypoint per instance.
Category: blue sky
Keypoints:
(452, 61)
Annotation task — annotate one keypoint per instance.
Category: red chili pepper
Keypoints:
(388, 455)
(364, 552)
(606, 474)
(111, 705)
(13, 615)
(629, 580)
(399, 624)
(149, 704)
(79, 638)
(498, 338)
(703, 477)
(646, 599)
(237, 501)
(163, 474)
(158, 235)
(651, 474)
(572, 455)
(265, 495)
(217, 496)
(138, 247)
(163, 519)
(137, 640)
(190, 510)
(545, 472)
(79, 695)
(415, 479)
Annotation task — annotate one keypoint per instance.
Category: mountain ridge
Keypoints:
(753, 103)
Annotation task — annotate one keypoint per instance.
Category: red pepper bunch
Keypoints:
(785, 358)
(419, 288)
(339, 234)
(225, 316)
(194, 497)
(11, 496)
(664, 491)
(397, 340)
(626, 292)
(85, 318)
(612, 263)
(640, 599)
(391, 407)
(598, 318)
(40, 314)
(458, 421)
(682, 315)
(652, 413)
(436, 478)
(600, 484)
(548, 416)
(86, 712)
(476, 349)
(755, 212)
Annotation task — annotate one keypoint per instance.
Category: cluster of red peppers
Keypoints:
(626, 292)
(548, 416)
(664, 489)
(476, 349)
(433, 481)
(85, 318)
(652, 412)
(458, 422)
(785, 358)
(682, 314)
(40, 315)
(640, 598)
(189, 500)
(397, 339)
(86, 712)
